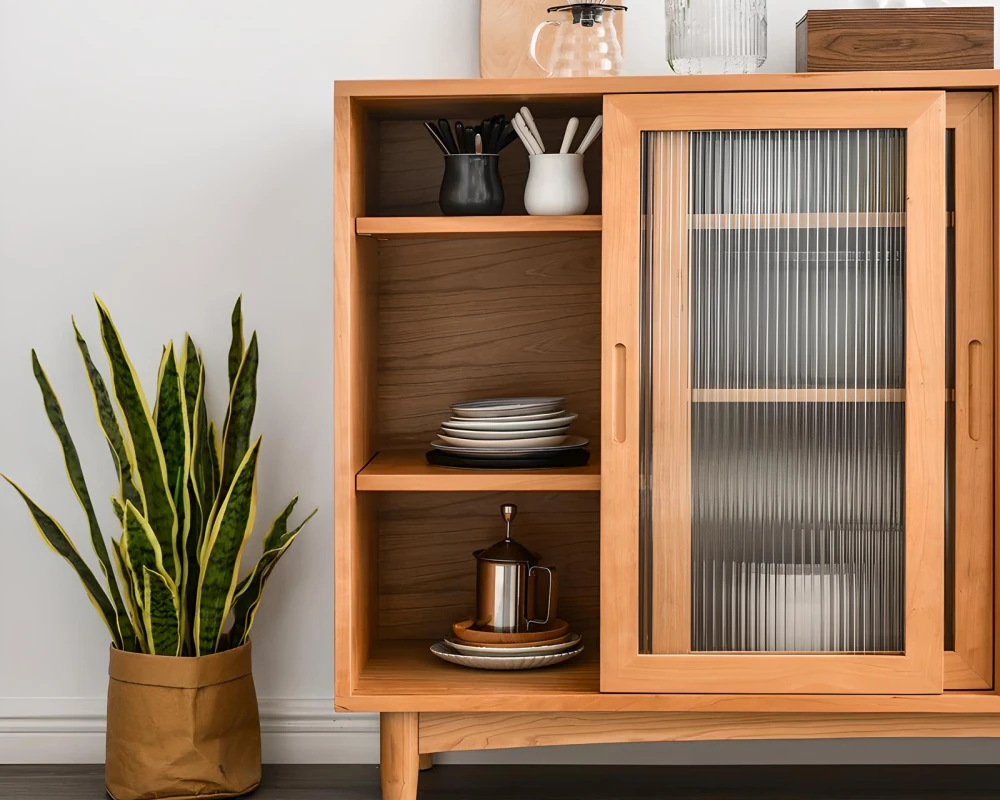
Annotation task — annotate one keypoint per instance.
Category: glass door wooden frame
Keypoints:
(919, 669)
(970, 664)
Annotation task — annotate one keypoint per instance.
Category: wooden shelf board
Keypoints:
(408, 471)
(403, 675)
(846, 219)
(477, 226)
(798, 395)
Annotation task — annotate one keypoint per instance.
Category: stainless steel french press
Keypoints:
(506, 578)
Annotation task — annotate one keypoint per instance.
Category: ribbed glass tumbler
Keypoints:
(716, 36)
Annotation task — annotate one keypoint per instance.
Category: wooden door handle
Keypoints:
(618, 393)
(975, 382)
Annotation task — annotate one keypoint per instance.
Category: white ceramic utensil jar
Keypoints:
(556, 185)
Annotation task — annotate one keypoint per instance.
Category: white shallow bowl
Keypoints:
(489, 444)
(507, 406)
(444, 651)
(560, 419)
(571, 443)
(502, 436)
(494, 652)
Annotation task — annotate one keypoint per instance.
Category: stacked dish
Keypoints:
(548, 644)
(516, 432)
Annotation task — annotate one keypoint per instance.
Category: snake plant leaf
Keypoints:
(74, 469)
(109, 424)
(119, 511)
(215, 457)
(239, 418)
(172, 430)
(141, 548)
(223, 550)
(128, 581)
(151, 467)
(54, 535)
(190, 369)
(249, 591)
(198, 492)
(161, 614)
(236, 347)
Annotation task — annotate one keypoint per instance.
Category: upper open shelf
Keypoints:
(477, 226)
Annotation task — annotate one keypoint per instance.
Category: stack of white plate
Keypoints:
(512, 427)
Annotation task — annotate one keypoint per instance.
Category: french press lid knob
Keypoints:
(508, 511)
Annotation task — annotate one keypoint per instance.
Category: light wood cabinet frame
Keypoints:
(623, 667)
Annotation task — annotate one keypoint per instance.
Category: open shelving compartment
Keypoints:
(445, 309)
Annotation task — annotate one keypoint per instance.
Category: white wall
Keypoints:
(169, 156)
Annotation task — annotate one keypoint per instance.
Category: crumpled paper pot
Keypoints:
(182, 728)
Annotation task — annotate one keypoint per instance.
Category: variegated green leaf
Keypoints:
(150, 465)
(56, 538)
(140, 547)
(128, 581)
(236, 347)
(191, 375)
(161, 613)
(74, 469)
(172, 431)
(224, 548)
(239, 418)
(109, 424)
(249, 591)
(119, 511)
(197, 489)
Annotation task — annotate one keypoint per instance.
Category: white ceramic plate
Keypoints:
(488, 444)
(559, 412)
(494, 652)
(507, 406)
(512, 424)
(444, 651)
(503, 436)
(571, 443)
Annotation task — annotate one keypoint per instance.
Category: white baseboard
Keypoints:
(70, 730)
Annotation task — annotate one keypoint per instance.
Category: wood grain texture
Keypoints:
(443, 732)
(408, 471)
(464, 319)
(920, 669)
(422, 98)
(505, 29)
(399, 758)
(851, 40)
(384, 227)
(355, 304)
(411, 166)
(974, 396)
(427, 573)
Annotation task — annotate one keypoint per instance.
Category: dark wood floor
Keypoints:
(568, 783)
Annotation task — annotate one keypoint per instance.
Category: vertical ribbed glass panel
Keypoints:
(773, 391)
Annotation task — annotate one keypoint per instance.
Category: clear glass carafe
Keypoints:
(586, 41)
(716, 36)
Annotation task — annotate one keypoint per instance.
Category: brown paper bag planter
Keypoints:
(182, 728)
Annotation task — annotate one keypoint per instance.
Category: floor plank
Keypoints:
(287, 782)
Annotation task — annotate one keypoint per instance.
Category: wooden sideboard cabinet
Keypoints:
(777, 323)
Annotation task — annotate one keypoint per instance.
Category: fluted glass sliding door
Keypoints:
(777, 397)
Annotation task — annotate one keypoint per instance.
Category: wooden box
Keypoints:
(851, 40)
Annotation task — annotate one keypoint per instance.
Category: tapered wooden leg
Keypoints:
(400, 764)
(426, 761)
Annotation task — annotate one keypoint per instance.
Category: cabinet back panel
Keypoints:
(411, 165)
(427, 574)
(462, 319)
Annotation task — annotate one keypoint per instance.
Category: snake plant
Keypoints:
(186, 500)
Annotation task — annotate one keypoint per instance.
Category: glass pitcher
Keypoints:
(586, 43)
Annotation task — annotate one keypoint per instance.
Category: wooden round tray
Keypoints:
(507, 645)
(544, 633)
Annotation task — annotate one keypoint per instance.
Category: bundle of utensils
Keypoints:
(531, 138)
(487, 138)
(510, 433)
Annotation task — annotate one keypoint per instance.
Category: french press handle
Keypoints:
(551, 604)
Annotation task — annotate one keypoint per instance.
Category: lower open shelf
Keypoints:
(405, 670)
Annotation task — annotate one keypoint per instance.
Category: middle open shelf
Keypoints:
(408, 471)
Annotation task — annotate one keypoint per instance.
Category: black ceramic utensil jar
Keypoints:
(471, 185)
